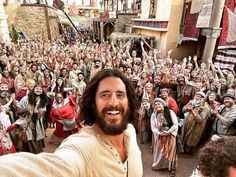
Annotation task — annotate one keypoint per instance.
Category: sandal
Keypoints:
(172, 173)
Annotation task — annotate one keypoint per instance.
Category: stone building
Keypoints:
(4, 33)
(162, 19)
(35, 20)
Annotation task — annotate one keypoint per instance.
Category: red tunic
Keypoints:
(173, 106)
(67, 111)
(5, 141)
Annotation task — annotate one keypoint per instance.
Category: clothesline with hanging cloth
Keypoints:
(228, 33)
(225, 59)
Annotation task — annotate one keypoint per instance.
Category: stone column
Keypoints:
(213, 32)
(4, 32)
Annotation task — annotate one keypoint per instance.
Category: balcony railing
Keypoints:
(150, 24)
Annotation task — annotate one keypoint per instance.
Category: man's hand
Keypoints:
(20, 121)
(214, 112)
(189, 107)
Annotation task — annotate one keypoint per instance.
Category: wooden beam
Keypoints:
(47, 23)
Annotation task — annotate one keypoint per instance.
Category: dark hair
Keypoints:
(216, 99)
(61, 88)
(44, 100)
(65, 69)
(87, 104)
(215, 158)
(168, 116)
(63, 93)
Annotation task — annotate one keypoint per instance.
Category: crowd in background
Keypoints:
(183, 104)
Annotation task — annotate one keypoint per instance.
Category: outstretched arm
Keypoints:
(44, 164)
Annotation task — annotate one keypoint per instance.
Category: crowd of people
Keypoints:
(182, 104)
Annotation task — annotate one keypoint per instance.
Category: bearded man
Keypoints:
(225, 121)
(73, 75)
(108, 146)
(185, 91)
(6, 100)
(81, 85)
(196, 113)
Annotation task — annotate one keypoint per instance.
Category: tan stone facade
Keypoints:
(170, 12)
(37, 20)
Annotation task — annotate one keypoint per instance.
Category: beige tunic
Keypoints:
(83, 155)
(194, 126)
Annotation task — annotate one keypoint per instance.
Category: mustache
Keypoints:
(112, 108)
(5, 93)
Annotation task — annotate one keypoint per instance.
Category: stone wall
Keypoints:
(37, 21)
(122, 20)
(53, 23)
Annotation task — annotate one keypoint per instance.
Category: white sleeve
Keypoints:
(154, 124)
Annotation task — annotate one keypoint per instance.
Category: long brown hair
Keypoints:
(87, 102)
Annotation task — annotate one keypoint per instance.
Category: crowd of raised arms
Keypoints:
(41, 84)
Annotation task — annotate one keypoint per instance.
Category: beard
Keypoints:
(196, 102)
(228, 104)
(181, 82)
(112, 128)
(4, 94)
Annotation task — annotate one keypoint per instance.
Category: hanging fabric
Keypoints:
(231, 35)
(223, 42)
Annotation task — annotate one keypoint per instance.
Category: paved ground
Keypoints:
(184, 168)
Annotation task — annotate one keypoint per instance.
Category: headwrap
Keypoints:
(165, 89)
(229, 95)
(160, 101)
(201, 93)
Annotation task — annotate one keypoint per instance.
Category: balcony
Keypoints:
(150, 24)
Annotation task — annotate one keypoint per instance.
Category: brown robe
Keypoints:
(193, 127)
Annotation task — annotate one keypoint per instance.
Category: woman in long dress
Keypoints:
(164, 125)
(32, 108)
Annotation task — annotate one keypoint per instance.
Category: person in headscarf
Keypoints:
(145, 112)
(196, 113)
(164, 124)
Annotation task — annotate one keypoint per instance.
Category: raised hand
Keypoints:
(185, 60)
(195, 58)
(20, 121)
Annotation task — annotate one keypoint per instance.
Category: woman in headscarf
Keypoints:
(164, 125)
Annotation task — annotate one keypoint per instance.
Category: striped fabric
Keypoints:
(225, 59)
